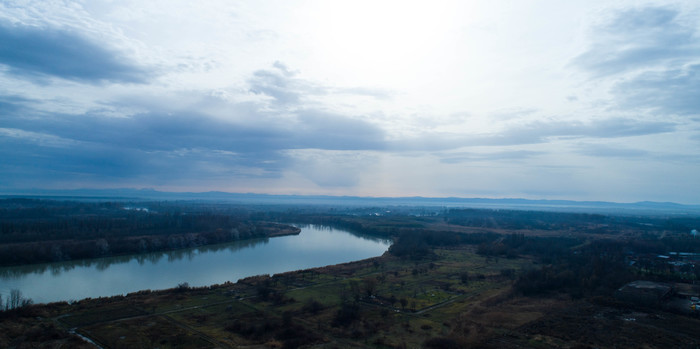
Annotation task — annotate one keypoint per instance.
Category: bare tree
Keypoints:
(16, 300)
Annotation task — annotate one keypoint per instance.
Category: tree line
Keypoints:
(37, 231)
(583, 222)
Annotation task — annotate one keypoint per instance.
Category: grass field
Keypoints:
(395, 301)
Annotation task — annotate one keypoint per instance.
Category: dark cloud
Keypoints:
(171, 145)
(28, 161)
(37, 52)
(12, 104)
(164, 144)
(147, 155)
(639, 39)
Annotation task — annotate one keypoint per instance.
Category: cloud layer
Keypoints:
(258, 98)
(35, 52)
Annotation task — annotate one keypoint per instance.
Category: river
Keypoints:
(315, 246)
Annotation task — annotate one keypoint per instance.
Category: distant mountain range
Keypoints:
(126, 194)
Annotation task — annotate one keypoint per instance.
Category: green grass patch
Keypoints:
(118, 311)
(151, 332)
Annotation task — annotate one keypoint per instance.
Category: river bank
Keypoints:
(452, 298)
(290, 248)
(36, 252)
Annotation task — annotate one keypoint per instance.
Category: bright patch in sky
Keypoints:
(380, 43)
(583, 100)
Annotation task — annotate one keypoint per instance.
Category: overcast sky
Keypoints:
(581, 100)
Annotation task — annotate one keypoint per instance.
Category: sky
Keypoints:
(578, 100)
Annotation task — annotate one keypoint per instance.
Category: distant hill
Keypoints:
(127, 194)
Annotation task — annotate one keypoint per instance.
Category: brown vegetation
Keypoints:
(434, 289)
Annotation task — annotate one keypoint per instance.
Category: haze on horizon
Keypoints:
(580, 100)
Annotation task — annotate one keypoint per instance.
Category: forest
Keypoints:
(38, 231)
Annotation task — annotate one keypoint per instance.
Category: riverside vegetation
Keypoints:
(452, 279)
(40, 231)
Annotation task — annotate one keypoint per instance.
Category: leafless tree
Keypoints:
(16, 300)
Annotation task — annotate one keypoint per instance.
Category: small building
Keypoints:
(644, 293)
(687, 291)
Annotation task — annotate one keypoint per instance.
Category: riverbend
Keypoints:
(315, 246)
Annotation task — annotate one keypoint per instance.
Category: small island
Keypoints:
(275, 229)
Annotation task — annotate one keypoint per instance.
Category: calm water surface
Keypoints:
(315, 246)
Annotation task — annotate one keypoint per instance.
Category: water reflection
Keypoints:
(102, 264)
(315, 246)
(367, 237)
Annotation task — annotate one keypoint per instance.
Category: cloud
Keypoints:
(652, 56)
(376, 93)
(282, 85)
(40, 139)
(12, 104)
(331, 168)
(639, 38)
(599, 150)
(513, 113)
(125, 154)
(172, 139)
(323, 130)
(38, 52)
(674, 91)
(536, 132)
(512, 156)
(286, 89)
(658, 156)
(276, 84)
(540, 131)
(34, 157)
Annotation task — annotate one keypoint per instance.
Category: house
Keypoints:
(687, 291)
